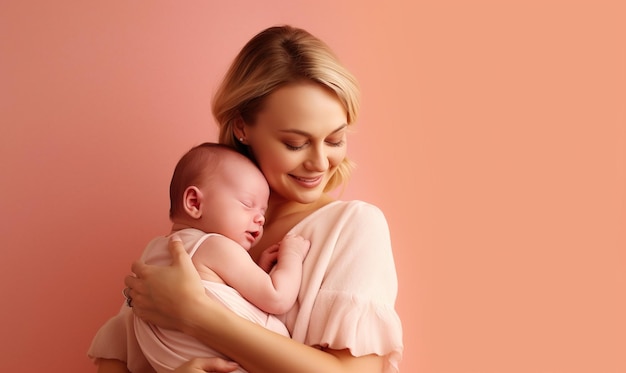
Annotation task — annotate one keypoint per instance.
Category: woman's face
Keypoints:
(298, 140)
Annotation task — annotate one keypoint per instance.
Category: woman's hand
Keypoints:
(202, 365)
(164, 295)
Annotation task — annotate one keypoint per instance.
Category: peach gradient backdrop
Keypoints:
(493, 136)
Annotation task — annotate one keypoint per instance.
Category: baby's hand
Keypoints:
(294, 244)
(268, 258)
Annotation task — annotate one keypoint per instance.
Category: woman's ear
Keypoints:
(239, 129)
(192, 202)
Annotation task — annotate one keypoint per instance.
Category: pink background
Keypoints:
(493, 136)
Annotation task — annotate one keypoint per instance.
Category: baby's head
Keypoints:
(217, 190)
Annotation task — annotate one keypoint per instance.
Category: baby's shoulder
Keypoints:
(218, 240)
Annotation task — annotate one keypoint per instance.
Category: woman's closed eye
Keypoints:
(293, 146)
(337, 143)
(334, 143)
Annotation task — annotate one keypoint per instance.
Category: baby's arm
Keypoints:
(274, 293)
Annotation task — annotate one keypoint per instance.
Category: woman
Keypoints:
(288, 104)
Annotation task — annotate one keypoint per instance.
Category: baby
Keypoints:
(218, 200)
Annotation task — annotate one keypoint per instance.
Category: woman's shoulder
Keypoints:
(354, 206)
(353, 210)
(339, 214)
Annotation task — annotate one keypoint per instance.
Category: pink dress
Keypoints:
(346, 299)
(165, 349)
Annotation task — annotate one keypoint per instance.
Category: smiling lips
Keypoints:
(308, 182)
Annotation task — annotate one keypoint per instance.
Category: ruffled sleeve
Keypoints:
(363, 326)
(350, 284)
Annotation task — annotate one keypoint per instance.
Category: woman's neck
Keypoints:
(280, 209)
(281, 216)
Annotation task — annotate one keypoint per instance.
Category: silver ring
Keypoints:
(126, 294)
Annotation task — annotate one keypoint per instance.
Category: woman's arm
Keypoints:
(259, 350)
(173, 297)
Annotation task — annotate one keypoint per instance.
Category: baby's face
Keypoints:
(236, 201)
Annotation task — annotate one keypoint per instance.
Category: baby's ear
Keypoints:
(192, 202)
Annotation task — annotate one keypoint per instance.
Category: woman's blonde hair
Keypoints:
(273, 58)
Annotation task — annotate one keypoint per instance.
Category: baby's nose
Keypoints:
(259, 219)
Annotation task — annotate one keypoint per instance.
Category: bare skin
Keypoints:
(298, 140)
(255, 348)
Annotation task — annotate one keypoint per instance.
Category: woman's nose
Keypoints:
(317, 159)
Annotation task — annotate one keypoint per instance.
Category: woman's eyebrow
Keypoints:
(304, 133)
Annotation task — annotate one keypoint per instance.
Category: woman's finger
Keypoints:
(138, 268)
(212, 364)
(216, 365)
(180, 257)
(177, 250)
(131, 281)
